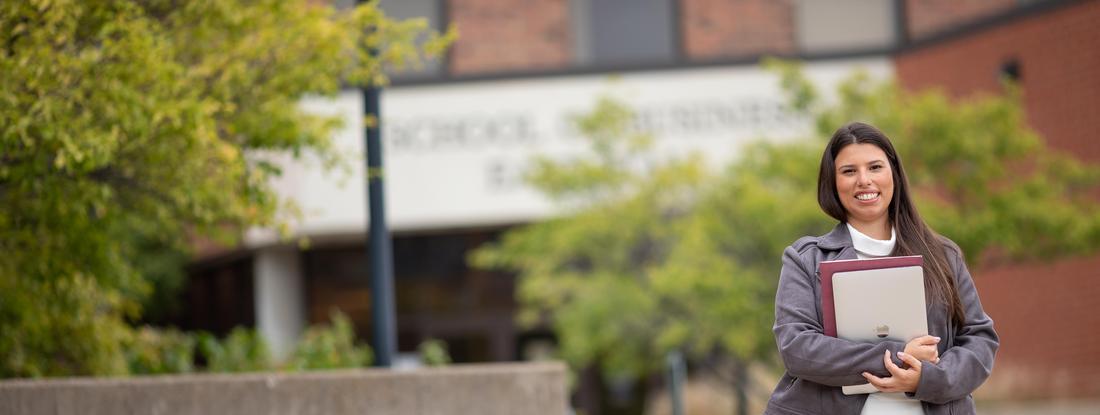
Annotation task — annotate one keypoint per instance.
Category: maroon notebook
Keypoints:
(828, 268)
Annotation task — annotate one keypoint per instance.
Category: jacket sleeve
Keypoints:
(806, 351)
(968, 362)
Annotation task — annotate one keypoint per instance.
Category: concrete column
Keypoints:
(279, 298)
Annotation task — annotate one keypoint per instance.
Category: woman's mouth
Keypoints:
(867, 196)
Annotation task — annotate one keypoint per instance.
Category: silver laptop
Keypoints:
(879, 304)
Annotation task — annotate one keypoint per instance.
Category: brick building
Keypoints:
(520, 66)
(1045, 313)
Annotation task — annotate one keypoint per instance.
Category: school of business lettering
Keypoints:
(467, 133)
(680, 120)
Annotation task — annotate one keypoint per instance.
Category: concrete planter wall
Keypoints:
(513, 388)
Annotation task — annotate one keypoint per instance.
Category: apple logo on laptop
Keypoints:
(882, 331)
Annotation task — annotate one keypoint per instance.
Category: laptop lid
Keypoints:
(877, 304)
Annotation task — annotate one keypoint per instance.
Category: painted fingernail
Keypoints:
(901, 354)
(937, 338)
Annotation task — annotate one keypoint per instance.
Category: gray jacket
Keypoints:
(818, 365)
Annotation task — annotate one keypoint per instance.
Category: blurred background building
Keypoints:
(458, 132)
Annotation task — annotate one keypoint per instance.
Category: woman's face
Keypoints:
(864, 183)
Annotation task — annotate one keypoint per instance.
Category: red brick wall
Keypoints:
(504, 35)
(1048, 315)
(722, 28)
(926, 17)
(1059, 59)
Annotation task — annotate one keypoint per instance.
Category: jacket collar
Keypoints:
(838, 242)
(837, 239)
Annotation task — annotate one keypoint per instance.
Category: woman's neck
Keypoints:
(879, 229)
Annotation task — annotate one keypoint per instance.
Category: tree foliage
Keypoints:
(155, 351)
(330, 346)
(595, 268)
(982, 176)
(243, 350)
(652, 254)
(127, 127)
(433, 353)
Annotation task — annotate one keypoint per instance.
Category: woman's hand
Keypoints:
(900, 380)
(924, 348)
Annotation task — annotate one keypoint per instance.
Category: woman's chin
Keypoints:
(867, 215)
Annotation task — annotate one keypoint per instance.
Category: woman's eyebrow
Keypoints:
(876, 161)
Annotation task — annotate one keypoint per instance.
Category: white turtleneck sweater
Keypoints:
(878, 403)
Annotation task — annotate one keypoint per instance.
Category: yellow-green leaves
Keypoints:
(127, 127)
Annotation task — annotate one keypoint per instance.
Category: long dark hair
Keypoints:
(914, 237)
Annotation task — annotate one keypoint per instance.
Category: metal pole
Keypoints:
(380, 253)
(676, 374)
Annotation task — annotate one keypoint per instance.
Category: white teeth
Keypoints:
(866, 196)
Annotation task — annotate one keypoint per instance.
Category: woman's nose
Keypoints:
(862, 178)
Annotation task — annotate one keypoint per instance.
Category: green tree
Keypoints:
(128, 127)
(598, 270)
(652, 254)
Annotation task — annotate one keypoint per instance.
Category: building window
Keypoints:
(623, 32)
(825, 26)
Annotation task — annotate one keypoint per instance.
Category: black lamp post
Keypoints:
(380, 253)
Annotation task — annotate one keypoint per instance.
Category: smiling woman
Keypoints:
(865, 184)
(861, 183)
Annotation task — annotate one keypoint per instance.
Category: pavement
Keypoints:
(1062, 407)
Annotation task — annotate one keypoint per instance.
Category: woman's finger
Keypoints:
(914, 363)
(924, 340)
(879, 383)
(890, 366)
(928, 340)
